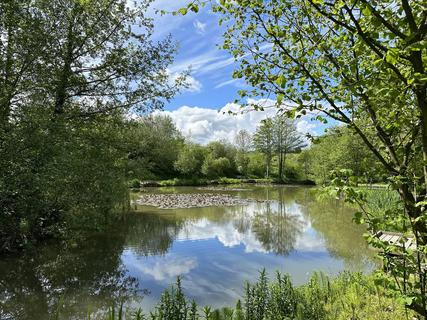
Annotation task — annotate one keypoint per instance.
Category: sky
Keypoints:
(198, 111)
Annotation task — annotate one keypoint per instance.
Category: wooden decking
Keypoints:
(396, 239)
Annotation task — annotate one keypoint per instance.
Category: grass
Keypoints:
(349, 296)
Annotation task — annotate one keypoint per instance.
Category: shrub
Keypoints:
(134, 184)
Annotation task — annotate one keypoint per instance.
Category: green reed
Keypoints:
(349, 296)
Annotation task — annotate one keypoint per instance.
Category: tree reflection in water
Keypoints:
(332, 219)
(92, 275)
(277, 229)
(152, 234)
(95, 274)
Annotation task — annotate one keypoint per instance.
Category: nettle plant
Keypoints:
(358, 62)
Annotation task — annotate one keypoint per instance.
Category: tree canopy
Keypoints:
(70, 71)
(358, 62)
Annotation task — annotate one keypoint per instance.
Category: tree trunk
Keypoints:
(422, 102)
(421, 95)
(280, 154)
(66, 72)
(284, 165)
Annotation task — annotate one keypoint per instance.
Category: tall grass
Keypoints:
(350, 296)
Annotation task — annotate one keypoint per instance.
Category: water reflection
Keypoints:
(91, 275)
(215, 249)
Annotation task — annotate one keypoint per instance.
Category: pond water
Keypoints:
(214, 249)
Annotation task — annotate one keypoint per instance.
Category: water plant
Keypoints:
(349, 296)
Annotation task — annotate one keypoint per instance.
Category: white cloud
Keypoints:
(304, 126)
(191, 83)
(203, 63)
(200, 27)
(203, 125)
(167, 268)
(225, 233)
(234, 82)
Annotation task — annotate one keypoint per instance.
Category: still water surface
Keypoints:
(214, 249)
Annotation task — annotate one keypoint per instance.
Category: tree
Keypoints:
(286, 140)
(222, 149)
(340, 149)
(190, 160)
(243, 143)
(242, 162)
(216, 167)
(348, 60)
(154, 147)
(264, 143)
(70, 71)
(243, 140)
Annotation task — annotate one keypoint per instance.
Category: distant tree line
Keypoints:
(276, 150)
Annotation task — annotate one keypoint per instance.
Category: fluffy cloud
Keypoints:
(191, 83)
(167, 268)
(203, 125)
(225, 233)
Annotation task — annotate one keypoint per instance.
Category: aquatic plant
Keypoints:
(349, 296)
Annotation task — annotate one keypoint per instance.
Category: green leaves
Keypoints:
(366, 11)
(358, 218)
(281, 81)
(183, 11)
(392, 55)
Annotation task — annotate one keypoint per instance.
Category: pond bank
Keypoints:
(221, 181)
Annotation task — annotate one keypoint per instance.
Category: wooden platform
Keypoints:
(396, 239)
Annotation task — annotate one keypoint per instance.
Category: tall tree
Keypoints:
(190, 159)
(286, 140)
(155, 143)
(70, 70)
(264, 141)
(243, 140)
(340, 148)
(348, 60)
(243, 143)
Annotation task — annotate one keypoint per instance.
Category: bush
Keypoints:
(183, 182)
(224, 180)
(134, 184)
(256, 165)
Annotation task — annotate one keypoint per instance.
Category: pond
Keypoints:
(214, 249)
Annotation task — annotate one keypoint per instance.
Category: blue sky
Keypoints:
(197, 111)
(198, 36)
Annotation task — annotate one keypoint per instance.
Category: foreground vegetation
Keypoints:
(349, 296)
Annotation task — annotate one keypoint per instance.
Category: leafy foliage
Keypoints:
(361, 63)
(69, 73)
